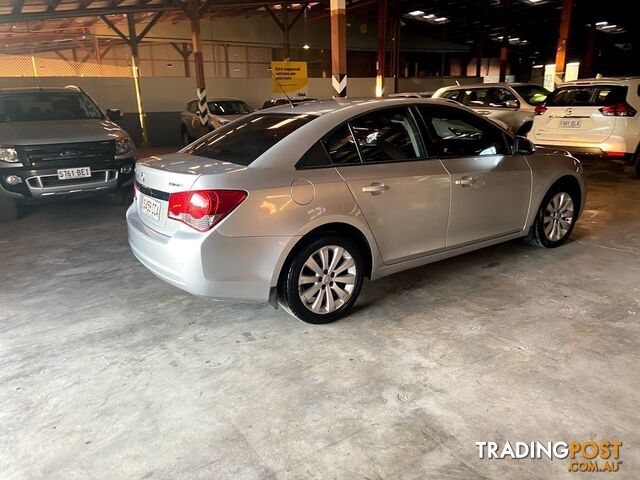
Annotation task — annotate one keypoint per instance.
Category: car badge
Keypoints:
(568, 112)
(70, 153)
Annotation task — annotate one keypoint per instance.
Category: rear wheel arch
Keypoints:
(335, 228)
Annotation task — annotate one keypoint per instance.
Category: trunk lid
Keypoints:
(158, 177)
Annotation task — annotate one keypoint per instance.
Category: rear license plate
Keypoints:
(570, 123)
(151, 207)
(71, 173)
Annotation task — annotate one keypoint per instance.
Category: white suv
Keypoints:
(593, 117)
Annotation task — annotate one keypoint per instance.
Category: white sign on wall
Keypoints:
(549, 77)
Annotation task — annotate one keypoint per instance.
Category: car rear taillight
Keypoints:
(202, 209)
(540, 109)
(618, 110)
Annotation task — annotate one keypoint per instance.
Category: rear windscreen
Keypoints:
(587, 96)
(243, 141)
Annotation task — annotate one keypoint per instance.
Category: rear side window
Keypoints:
(587, 96)
(315, 157)
(341, 146)
(532, 94)
(451, 94)
(387, 135)
(475, 97)
(246, 139)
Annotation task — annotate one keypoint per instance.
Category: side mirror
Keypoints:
(524, 146)
(114, 114)
(511, 104)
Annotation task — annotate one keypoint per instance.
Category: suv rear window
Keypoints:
(243, 141)
(587, 96)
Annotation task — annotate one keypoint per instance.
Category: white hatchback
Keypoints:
(596, 117)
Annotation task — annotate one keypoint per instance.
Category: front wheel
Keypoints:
(10, 210)
(323, 280)
(555, 219)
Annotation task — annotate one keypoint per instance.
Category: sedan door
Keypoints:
(490, 187)
(403, 195)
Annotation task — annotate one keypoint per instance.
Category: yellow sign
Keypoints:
(289, 77)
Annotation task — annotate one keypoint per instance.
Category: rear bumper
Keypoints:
(598, 151)
(208, 264)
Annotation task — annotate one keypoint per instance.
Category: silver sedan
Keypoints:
(296, 206)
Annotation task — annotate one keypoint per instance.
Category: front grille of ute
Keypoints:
(71, 154)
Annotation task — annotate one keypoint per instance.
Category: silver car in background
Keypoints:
(297, 206)
(511, 105)
(221, 112)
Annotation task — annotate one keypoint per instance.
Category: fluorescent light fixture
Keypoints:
(538, 66)
(306, 46)
(607, 27)
(416, 13)
(441, 19)
(601, 24)
(429, 17)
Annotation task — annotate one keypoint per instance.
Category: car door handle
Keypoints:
(375, 188)
(484, 112)
(465, 181)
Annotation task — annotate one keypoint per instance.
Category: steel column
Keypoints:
(201, 90)
(338, 48)
(563, 37)
(135, 71)
(382, 47)
(504, 49)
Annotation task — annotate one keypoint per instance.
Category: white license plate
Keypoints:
(570, 123)
(71, 173)
(151, 207)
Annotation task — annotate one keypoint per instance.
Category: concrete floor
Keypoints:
(107, 372)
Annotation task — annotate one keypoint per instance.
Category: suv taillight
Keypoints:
(540, 109)
(202, 209)
(618, 110)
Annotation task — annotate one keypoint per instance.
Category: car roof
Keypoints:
(493, 84)
(40, 89)
(322, 107)
(603, 80)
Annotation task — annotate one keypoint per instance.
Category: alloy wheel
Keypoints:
(327, 279)
(558, 216)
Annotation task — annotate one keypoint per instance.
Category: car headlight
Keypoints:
(124, 145)
(9, 155)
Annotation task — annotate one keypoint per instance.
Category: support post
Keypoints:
(479, 54)
(382, 47)
(135, 70)
(504, 49)
(395, 52)
(285, 32)
(590, 52)
(338, 48)
(563, 37)
(201, 90)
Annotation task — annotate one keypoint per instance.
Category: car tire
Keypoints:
(10, 210)
(322, 280)
(635, 165)
(555, 218)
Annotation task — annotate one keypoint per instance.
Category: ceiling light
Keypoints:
(601, 24)
(306, 46)
(441, 19)
(429, 17)
(416, 13)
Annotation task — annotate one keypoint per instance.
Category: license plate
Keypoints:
(570, 123)
(71, 173)
(151, 207)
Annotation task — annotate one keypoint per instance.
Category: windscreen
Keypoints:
(587, 96)
(532, 94)
(243, 141)
(41, 106)
(229, 107)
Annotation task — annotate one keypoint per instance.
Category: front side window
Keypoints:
(532, 94)
(502, 98)
(387, 135)
(451, 94)
(192, 107)
(455, 133)
(229, 107)
(44, 106)
(475, 97)
(243, 141)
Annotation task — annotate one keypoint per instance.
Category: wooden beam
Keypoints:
(52, 5)
(149, 25)
(274, 16)
(113, 27)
